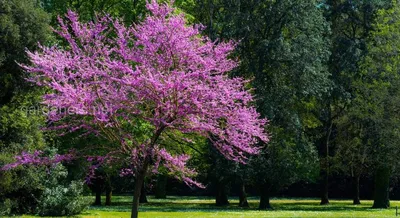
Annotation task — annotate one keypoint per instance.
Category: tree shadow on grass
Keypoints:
(193, 204)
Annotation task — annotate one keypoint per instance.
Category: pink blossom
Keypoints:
(37, 159)
(160, 71)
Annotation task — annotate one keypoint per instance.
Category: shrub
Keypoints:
(20, 190)
(6, 207)
(59, 199)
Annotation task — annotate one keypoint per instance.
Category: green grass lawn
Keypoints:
(204, 207)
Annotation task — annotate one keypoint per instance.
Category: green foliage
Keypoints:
(20, 122)
(45, 191)
(20, 195)
(59, 199)
(285, 163)
(130, 11)
(378, 89)
(284, 49)
(20, 131)
(22, 25)
(6, 207)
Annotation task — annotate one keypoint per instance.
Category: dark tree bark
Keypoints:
(138, 188)
(243, 196)
(98, 188)
(324, 169)
(141, 175)
(161, 187)
(221, 196)
(381, 193)
(264, 198)
(324, 187)
(143, 197)
(108, 197)
(108, 191)
(97, 202)
(356, 189)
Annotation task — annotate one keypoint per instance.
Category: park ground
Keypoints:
(193, 207)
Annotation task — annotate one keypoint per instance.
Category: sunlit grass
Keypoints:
(204, 207)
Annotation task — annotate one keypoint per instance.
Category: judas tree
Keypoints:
(153, 79)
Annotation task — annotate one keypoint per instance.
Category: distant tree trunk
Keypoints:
(108, 197)
(264, 198)
(324, 167)
(161, 191)
(98, 189)
(108, 191)
(143, 197)
(381, 193)
(356, 189)
(324, 187)
(97, 202)
(221, 196)
(243, 196)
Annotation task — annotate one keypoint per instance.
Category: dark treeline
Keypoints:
(324, 72)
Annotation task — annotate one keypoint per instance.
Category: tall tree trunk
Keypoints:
(264, 198)
(243, 196)
(221, 196)
(143, 197)
(161, 187)
(324, 166)
(138, 188)
(381, 193)
(356, 189)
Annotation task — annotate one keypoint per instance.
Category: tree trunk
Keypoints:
(264, 198)
(324, 187)
(108, 196)
(221, 196)
(141, 176)
(324, 166)
(138, 188)
(97, 188)
(108, 191)
(356, 189)
(243, 196)
(381, 193)
(97, 202)
(143, 197)
(161, 191)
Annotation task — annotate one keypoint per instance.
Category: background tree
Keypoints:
(128, 10)
(285, 49)
(354, 154)
(378, 99)
(22, 24)
(350, 24)
(281, 165)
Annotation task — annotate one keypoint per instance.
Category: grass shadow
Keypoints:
(206, 204)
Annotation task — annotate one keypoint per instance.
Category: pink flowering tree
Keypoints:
(160, 73)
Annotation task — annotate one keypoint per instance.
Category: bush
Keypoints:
(20, 190)
(60, 199)
(6, 207)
